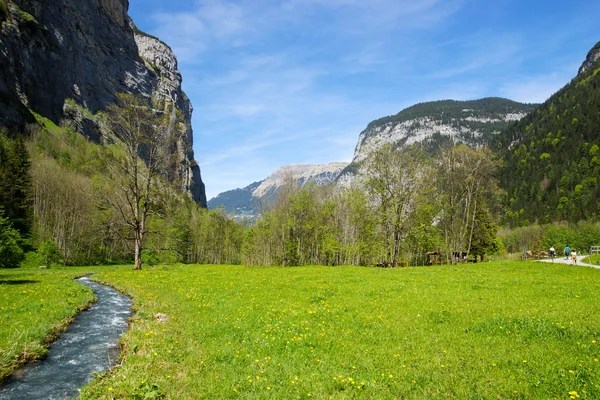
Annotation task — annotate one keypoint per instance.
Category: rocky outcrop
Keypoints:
(67, 60)
(592, 57)
(469, 122)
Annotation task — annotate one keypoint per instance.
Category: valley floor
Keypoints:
(490, 330)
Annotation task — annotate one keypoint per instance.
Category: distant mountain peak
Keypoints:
(248, 201)
(318, 173)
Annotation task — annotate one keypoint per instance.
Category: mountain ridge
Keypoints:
(247, 201)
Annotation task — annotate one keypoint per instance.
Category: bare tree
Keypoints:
(135, 170)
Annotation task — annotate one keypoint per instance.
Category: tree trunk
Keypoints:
(137, 263)
(396, 247)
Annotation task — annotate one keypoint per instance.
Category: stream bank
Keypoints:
(89, 345)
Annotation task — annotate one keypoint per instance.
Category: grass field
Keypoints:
(34, 307)
(510, 330)
(593, 259)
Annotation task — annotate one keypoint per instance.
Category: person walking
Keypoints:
(567, 252)
(574, 253)
(552, 251)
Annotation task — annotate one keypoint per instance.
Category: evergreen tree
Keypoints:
(19, 211)
(15, 183)
(11, 253)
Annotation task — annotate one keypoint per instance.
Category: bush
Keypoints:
(11, 253)
(49, 253)
(32, 260)
(149, 258)
(3, 8)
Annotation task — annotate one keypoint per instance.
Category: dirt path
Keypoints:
(562, 260)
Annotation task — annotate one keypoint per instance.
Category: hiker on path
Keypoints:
(574, 257)
(567, 252)
(552, 251)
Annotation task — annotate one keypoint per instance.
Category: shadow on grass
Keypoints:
(17, 282)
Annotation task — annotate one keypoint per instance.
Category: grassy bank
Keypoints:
(493, 330)
(35, 306)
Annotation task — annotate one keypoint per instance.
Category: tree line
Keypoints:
(403, 205)
(66, 200)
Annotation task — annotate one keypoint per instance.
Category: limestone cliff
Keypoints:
(67, 60)
(431, 124)
(469, 122)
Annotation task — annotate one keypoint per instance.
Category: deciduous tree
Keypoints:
(136, 169)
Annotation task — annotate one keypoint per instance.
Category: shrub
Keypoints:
(50, 253)
(3, 8)
(11, 253)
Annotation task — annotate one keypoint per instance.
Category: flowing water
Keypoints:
(89, 345)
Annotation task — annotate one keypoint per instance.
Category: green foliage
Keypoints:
(15, 183)
(33, 259)
(564, 133)
(49, 253)
(3, 8)
(148, 391)
(24, 16)
(11, 253)
(580, 237)
(399, 213)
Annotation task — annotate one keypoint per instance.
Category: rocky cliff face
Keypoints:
(592, 56)
(469, 122)
(67, 60)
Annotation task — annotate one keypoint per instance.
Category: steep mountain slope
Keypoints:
(66, 60)
(470, 122)
(239, 202)
(552, 156)
(473, 122)
(247, 201)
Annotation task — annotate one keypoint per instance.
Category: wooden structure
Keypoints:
(434, 258)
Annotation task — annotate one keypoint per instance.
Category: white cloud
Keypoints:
(190, 33)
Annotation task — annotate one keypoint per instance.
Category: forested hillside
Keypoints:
(552, 158)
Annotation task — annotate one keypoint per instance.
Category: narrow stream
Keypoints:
(89, 345)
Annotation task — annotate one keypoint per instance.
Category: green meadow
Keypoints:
(35, 306)
(501, 330)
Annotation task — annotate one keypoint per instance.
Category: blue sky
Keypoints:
(277, 82)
